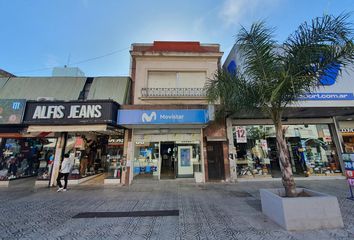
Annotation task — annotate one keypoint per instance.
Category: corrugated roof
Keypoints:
(115, 88)
(30, 88)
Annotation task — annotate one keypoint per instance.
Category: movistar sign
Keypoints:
(189, 116)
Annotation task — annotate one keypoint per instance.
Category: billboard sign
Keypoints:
(11, 111)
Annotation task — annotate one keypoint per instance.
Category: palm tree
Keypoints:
(275, 75)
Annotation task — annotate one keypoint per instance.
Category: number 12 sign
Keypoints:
(241, 134)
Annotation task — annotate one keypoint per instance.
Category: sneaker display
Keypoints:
(60, 189)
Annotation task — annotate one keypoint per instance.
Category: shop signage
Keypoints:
(241, 134)
(347, 130)
(349, 171)
(73, 112)
(11, 110)
(327, 96)
(116, 140)
(190, 116)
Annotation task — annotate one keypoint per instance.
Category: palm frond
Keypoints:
(257, 50)
(315, 47)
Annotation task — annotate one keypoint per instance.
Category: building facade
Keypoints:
(171, 134)
(318, 131)
(42, 118)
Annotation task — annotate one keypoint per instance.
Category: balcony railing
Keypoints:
(173, 92)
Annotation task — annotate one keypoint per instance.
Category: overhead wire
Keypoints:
(77, 62)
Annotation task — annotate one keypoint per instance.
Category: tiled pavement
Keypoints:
(207, 211)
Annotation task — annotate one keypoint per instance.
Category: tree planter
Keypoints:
(317, 211)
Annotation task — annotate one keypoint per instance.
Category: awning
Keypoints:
(102, 128)
(10, 135)
(26, 135)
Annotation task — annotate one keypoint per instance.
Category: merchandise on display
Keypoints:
(311, 151)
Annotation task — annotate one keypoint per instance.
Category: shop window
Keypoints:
(93, 154)
(146, 160)
(168, 159)
(26, 157)
(311, 151)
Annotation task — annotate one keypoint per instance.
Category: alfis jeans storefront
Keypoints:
(86, 130)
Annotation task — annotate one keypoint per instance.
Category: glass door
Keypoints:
(185, 165)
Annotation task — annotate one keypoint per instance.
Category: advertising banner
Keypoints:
(349, 171)
(11, 111)
(141, 117)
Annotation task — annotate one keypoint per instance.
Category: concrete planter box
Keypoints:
(319, 211)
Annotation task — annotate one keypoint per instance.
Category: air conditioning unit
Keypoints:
(45, 98)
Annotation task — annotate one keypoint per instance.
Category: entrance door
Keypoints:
(215, 160)
(167, 160)
(185, 165)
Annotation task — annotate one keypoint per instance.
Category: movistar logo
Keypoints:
(148, 118)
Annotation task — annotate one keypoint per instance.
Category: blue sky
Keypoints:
(40, 34)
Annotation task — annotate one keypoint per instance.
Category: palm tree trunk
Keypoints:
(284, 160)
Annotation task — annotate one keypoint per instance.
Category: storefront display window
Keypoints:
(167, 159)
(146, 160)
(115, 159)
(25, 157)
(311, 150)
(347, 131)
(89, 154)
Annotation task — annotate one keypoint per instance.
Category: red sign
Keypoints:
(349, 173)
(241, 134)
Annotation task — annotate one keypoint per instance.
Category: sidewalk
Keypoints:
(206, 211)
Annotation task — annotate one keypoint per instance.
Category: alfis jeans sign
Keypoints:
(72, 112)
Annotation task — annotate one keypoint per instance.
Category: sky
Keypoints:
(96, 35)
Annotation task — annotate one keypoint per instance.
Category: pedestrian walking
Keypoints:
(65, 169)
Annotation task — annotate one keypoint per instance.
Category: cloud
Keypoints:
(235, 12)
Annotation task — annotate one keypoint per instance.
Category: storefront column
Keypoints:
(202, 155)
(130, 155)
(232, 150)
(338, 140)
(59, 152)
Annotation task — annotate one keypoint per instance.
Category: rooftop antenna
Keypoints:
(325, 11)
(68, 62)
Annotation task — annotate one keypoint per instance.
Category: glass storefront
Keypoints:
(311, 149)
(94, 154)
(25, 157)
(167, 159)
(347, 131)
(87, 151)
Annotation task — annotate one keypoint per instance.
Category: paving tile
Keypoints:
(207, 211)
